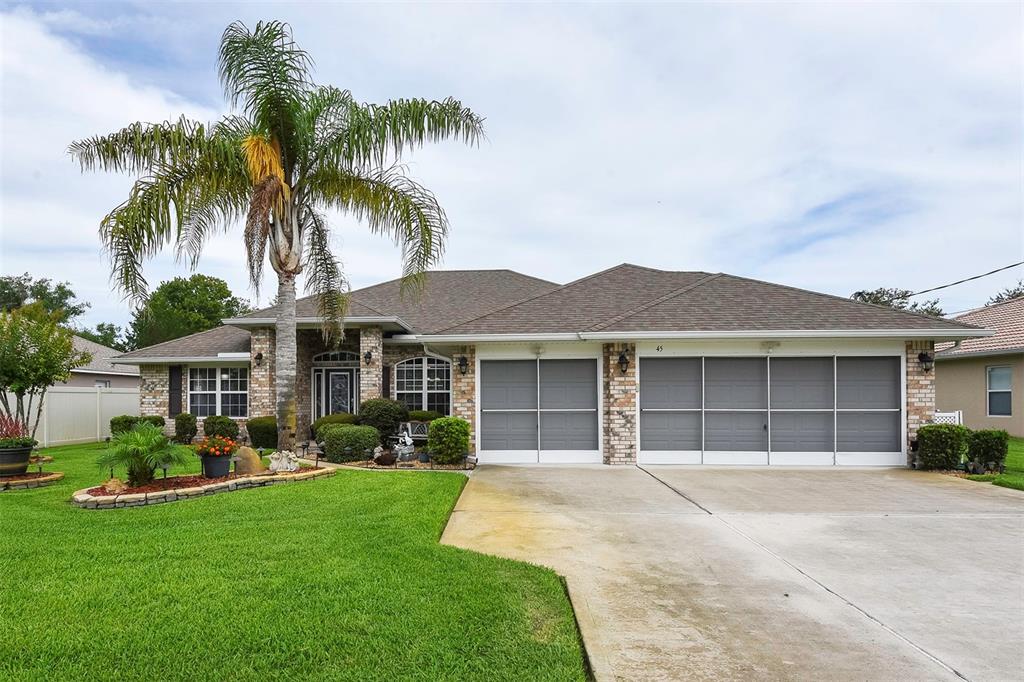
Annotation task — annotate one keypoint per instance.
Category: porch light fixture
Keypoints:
(463, 364)
(623, 362)
(367, 357)
(259, 359)
(926, 360)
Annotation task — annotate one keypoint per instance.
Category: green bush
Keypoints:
(185, 428)
(941, 446)
(424, 415)
(262, 432)
(339, 418)
(141, 451)
(988, 446)
(448, 440)
(217, 425)
(349, 443)
(154, 419)
(383, 414)
(122, 423)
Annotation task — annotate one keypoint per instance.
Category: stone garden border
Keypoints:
(38, 482)
(83, 499)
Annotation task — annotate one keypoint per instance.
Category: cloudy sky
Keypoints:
(833, 147)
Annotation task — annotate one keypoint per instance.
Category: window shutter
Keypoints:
(385, 381)
(174, 390)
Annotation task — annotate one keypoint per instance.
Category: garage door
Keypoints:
(756, 410)
(539, 411)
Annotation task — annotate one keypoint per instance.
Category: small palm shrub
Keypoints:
(941, 446)
(141, 451)
(383, 414)
(987, 448)
(339, 418)
(122, 423)
(448, 440)
(424, 415)
(185, 428)
(217, 425)
(262, 432)
(349, 443)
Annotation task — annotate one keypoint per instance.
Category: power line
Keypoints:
(953, 284)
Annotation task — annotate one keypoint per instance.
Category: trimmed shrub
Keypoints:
(349, 443)
(154, 419)
(339, 418)
(262, 432)
(122, 423)
(185, 428)
(941, 446)
(988, 446)
(217, 425)
(424, 415)
(448, 440)
(383, 414)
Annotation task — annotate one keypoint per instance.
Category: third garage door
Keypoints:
(783, 411)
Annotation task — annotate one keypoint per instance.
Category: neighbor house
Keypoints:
(628, 365)
(983, 378)
(100, 372)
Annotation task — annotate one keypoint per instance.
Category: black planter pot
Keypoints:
(14, 461)
(424, 458)
(216, 467)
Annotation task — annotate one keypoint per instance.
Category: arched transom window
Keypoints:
(337, 358)
(424, 384)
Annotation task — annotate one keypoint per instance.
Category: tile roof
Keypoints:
(223, 339)
(1007, 319)
(638, 299)
(101, 356)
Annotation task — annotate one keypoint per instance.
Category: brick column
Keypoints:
(464, 392)
(370, 374)
(920, 390)
(618, 404)
(261, 374)
(154, 394)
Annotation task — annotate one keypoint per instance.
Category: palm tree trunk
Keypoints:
(285, 361)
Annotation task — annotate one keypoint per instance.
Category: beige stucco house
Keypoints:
(984, 377)
(628, 365)
(101, 372)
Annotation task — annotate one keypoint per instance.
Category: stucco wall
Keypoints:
(961, 385)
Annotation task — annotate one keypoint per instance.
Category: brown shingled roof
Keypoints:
(206, 344)
(1007, 319)
(101, 356)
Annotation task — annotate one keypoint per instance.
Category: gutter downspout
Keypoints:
(437, 356)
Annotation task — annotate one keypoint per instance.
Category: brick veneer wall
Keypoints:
(371, 339)
(261, 377)
(618, 404)
(464, 392)
(154, 396)
(920, 390)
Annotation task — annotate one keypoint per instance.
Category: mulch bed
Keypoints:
(161, 484)
(25, 477)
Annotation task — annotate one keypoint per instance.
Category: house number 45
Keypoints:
(660, 348)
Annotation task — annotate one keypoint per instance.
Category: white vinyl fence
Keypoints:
(74, 414)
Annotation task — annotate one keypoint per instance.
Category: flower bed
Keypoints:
(414, 465)
(32, 479)
(185, 487)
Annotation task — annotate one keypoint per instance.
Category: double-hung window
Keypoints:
(424, 384)
(218, 390)
(999, 385)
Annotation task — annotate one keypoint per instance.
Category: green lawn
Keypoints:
(340, 578)
(1013, 477)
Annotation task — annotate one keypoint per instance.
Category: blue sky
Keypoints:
(835, 147)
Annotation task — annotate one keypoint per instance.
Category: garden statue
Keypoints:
(284, 461)
(247, 461)
(378, 451)
(404, 448)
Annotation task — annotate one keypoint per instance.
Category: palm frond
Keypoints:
(139, 147)
(324, 278)
(266, 196)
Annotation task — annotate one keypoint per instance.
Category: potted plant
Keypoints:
(216, 453)
(15, 446)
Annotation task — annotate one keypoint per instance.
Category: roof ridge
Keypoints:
(989, 306)
(534, 296)
(656, 301)
(187, 336)
(854, 301)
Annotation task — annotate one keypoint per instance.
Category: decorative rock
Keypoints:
(116, 486)
(247, 461)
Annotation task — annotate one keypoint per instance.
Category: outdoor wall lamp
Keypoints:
(259, 359)
(463, 364)
(368, 356)
(926, 360)
(623, 362)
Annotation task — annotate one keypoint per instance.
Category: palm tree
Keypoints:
(290, 151)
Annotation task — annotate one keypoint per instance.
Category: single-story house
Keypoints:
(983, 378)
(628, 365)
(101, 372)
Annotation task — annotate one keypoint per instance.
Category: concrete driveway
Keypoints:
(693, 573)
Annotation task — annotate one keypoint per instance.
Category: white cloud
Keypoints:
(677, 136)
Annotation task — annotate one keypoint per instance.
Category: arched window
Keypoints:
(337, 358)
(424, 384)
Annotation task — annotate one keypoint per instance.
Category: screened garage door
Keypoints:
(539, 411)
(756, 410)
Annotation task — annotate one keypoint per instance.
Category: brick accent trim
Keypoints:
(618, 404)
(920, 406)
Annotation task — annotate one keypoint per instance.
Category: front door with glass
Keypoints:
(334, 391)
